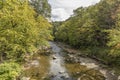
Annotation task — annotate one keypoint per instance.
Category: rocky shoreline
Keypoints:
(71, 58)
(75, 56)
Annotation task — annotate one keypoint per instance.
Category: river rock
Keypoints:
(77, 72)
(66, 76)
(91, 65)
(51, 75)
(78, 79)
(82, 63)
(38, 58)
(54, 57)
(25, 78)
(63, 77)
(118, 77)
(35, 63)
(61, 72)
(71, 56)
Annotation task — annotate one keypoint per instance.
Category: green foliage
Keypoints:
(83, 29)
(44, 30)
(21, 29)
(114, 36)
(55, 28)
(96, 28)
(9, 71)
(42, 7)
(88, 26)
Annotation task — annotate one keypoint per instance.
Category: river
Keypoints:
(57, 68)
(54, 67)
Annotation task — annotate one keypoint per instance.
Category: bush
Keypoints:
(9, 71)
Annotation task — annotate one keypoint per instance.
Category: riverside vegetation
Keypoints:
(24, 29)
(95, 30)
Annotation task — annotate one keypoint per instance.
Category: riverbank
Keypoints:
(67, 70)
(90, 61)
(62, 62)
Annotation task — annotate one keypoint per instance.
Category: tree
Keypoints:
(88, 25)
(114, 36)
(96, 29)
(42, 7)
(20, 30)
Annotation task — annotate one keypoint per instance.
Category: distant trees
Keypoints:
(96, 26)
(88, 25)
(55, 28)
(42, 7)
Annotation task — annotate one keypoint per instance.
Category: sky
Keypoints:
(63, 9)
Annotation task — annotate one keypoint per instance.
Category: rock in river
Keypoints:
(25, 78)
(54, 57)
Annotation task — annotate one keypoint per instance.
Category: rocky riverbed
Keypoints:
(74, 56)
(65, 63)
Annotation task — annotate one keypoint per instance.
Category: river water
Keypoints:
(54, 67)
(57, 68)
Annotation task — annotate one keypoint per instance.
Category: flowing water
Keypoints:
(54, 67)
(57, 68)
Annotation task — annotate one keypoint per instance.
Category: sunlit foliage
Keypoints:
(21, 29)
(9, 71)
(94, 27)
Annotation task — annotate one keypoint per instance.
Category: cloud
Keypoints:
(63, 9)
(59, 14)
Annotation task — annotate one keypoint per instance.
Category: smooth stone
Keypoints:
(118, 77)
(61, 72)
(54, 57)
(35, 63)
(82, 63)
(77, 72)
(25, 78)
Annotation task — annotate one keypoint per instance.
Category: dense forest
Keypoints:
(95, 30)
(25, 27)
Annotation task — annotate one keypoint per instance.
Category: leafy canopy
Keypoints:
(21, 29)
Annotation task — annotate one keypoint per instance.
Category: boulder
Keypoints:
(54, 57)
(61, 72)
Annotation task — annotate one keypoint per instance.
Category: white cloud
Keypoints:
(59, 14)
(62, 9)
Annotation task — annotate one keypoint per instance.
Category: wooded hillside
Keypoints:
(96, 29)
